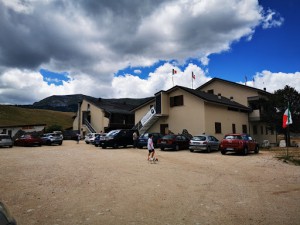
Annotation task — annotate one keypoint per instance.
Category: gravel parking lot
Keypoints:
(76, 184)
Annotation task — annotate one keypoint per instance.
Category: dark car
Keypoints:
(5, 141)
(116, 138)
(173, 141)
(143, 139)
(239, 143)
(98, 138)
(52, 138)
(204, 143)
(28, 140)
(5, 216)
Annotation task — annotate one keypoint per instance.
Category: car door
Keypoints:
(213, 142)
(251, 144)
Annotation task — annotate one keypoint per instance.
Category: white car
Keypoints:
(90, 138)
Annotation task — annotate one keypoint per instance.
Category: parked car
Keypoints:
(52, 138)
(240, 143)
(5, 141)
(5, 216)
(173, 141)
(99, 138)
(28, 140)
(116, 138)
(204, 143)
(90, 138)
(143, 139)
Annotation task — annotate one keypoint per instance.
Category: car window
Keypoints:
(199, 138)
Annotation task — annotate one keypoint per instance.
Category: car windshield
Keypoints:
(199, 138)
(145, 135)
(112, 133)
(169, 136)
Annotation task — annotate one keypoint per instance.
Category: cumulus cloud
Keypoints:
(93, 40)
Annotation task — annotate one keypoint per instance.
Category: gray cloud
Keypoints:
(93, 39)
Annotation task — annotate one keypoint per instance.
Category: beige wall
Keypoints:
(98, 121)
(264, 135)
(217, 113)
(239, 93)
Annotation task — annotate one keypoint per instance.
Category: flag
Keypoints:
(193, 75)
(174, 71)
(287, 118)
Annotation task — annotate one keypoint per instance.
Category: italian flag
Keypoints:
(287, 118)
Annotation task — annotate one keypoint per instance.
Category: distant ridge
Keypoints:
(69, 103)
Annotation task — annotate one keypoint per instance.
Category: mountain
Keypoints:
(62, 103)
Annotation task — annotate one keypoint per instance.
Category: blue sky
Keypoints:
(115, 49)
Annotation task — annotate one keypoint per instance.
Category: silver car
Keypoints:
(204, 143)
(5, 141)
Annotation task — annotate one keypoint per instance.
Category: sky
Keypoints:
(128, 48)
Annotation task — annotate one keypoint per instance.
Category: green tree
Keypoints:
(276, 105)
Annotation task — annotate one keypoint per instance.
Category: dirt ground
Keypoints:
(78, 184)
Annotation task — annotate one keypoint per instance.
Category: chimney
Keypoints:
(265, 89)
(219, 96)
(231, 98)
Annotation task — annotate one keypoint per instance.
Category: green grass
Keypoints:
(12, 115)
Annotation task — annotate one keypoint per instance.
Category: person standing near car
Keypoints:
(150, 147)
(135, 139)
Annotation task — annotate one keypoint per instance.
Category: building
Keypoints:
(97, 114)
(14, 130)
(217, 107)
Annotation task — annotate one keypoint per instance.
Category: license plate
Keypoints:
(163, 142)
(229, 148)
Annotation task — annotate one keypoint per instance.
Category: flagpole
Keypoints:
(192, 82)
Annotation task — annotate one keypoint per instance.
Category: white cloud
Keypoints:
(273, 81)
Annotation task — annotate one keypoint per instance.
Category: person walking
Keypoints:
(135, 139)
(150, 147)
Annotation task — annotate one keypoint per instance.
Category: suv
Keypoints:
(5, 140)
(240, 143)
(116, 138)
(52, 138)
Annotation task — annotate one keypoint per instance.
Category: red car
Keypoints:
(28, 140)
(173, 141)
(240, 143)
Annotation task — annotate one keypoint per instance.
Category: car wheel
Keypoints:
(245, 151)
(96, 145)
(176, 147)
(162, 148)
(191, 150)
(208, 149)
(256, 149)
(223, 152)
(48, 143)
(60, 143)
(104, 147)
(116, 145)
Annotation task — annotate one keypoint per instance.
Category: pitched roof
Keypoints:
(213, 98)
(233, 83)
(122, 105)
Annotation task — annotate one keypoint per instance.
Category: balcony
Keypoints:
(255, 115)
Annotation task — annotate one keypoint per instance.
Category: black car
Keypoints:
(143, 139)
(116, 138)
(5, 216)
(173, 141)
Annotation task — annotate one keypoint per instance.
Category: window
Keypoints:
(261, 130)
(244, 128)
(211, 91)
(233, 128)
(254, 129)
(218, 128)
(267, 130)
(176, 100)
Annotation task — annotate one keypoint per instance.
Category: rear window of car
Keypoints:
(5, 137)
(230, 137)
(199, 138)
